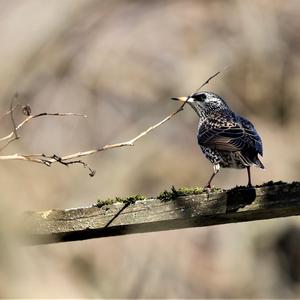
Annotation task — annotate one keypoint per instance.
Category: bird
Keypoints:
(227, 139)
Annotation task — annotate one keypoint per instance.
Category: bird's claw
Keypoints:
(207, 188)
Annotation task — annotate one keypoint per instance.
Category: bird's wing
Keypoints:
(229, 133)
(251, 134)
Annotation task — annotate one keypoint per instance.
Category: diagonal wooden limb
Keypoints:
(66, 160)
(41, 158)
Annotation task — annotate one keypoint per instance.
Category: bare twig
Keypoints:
(210, 78)
(9, 111)
(12, 118)
(29, 118)
(122, 144)
(26, 110)
(67, 160)
(7, 143)
(67, 163)
(51, 159)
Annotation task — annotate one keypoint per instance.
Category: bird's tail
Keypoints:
(258, 163)
(251, 160)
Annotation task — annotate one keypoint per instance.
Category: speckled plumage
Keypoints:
(226, 139)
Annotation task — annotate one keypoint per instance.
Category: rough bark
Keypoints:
(272, 200)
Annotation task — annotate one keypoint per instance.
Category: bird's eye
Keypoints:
(200, 97)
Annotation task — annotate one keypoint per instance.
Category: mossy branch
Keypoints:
(182, 208)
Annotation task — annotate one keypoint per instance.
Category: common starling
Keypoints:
(226, 139)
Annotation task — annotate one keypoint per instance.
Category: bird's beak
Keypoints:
(183, 99)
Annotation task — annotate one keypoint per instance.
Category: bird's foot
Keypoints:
(207, 188)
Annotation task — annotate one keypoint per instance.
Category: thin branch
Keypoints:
(122, 144)
(210, 78)
(51, 159)
(67, 163)
(67, 160)
(29, 118)
(7, 143)
(26, 157)
(9, 111)
(12, 118)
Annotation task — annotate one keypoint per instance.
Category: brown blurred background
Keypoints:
(119, 62)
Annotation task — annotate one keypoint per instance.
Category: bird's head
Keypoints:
(204, 102)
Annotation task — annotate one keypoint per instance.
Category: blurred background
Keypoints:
(119, 62)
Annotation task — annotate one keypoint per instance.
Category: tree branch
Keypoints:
(31, 117)
(67, 160)
(171, 210)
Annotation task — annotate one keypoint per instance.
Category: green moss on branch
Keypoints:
(174, 193)
(127, 200)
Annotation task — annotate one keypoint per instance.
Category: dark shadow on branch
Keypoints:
(239, 197)
(117, 214)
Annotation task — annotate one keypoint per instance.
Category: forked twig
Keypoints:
(29, 118)
(67, 160)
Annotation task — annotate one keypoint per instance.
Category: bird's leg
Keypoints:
(216, 170)
(249, 177)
